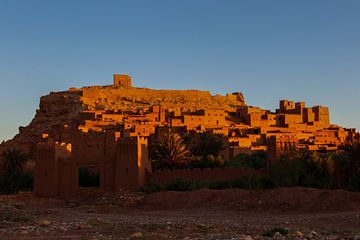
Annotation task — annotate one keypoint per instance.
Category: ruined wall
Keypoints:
(122, 80)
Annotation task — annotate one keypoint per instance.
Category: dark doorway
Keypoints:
(89, 177)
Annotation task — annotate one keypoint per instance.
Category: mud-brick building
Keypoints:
(122, 163)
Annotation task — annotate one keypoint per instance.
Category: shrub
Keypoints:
(12, 215)
(245, 182)
(185, 185)
(253, 182)
(14, 178)
(220, 185)
(285, 172)
(343, 170)
(209, 162)
(256, 160)
(151, 187)
(306, 170)
(16, 182)
(354, 184)
(267, 183)
(271, 233)
(13, 161)
(182, 185)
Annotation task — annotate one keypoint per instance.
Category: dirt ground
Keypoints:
(205, 214)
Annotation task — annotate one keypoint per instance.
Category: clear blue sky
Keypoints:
(269, 50)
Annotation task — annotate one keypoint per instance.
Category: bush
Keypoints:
(209, 162)
(11, 215)
(185, 185)
(354, 184)
(343, 170)
(16, 182)
(246, 182)
(305, 170)
(182, 185)
(151, 187)
(267, 183)
(14, 178)
(256, 160)
(253, 182)
(220, 185)
(271, 233)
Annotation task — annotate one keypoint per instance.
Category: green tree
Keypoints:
(170, 151)
(13, 162)
(307, 169)
(204, 144)
(343, 170)
(255, 160)
(353, 150)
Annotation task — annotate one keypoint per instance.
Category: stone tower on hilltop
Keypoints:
(122, 80)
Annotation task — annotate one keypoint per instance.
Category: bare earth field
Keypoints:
(205, 214)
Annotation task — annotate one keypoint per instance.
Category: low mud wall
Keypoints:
(210, 175)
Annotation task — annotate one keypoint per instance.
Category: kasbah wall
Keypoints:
(210, 175)
(115, 141)
(122, 163)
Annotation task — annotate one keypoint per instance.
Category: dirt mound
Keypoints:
(281, 199)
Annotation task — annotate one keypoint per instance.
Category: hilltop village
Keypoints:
(110, 127)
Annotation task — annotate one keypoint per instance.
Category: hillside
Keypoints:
(63, 108)
(112, 98)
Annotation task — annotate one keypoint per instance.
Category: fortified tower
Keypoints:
(122, 80)
(132, 163)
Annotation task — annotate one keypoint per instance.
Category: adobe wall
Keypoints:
(322, 115)
(67, 177)
(210, 175)
(278, 145)
(286, 105)
(131, 163)
(53, 170)
(144, 163)
(46, 171)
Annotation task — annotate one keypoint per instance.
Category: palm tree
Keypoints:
(13, 161)
(170, 150)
